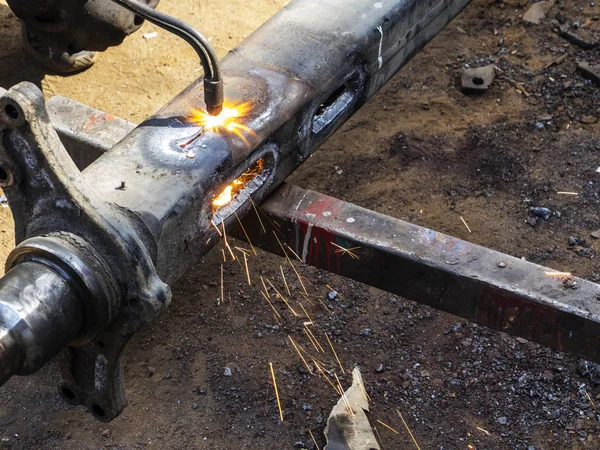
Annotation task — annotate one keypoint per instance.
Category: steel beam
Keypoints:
(446, 273)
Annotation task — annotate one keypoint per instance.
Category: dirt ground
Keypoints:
(421, 151)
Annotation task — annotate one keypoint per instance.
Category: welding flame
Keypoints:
(227, 120)
(226, 196)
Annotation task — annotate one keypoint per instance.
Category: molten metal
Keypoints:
(227, 195)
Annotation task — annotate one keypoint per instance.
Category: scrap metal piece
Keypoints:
(446, 273)
(348, 427)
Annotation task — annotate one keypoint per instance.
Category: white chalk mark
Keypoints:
(301, 200)
(306, 242)
(379, 57)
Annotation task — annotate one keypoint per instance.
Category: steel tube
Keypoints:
(40, 314)
(305, 72)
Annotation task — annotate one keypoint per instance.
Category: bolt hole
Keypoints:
(3, 175)
(98, 410)
(68, 393)
(101, 344)
(11, 111)
(478, 81)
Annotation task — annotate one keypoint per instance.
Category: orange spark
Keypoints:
(230, 191)
(335, 353)
(300, 354)
(276, 391)
(314, 440)
(387, 426)
(558, 274)
(408, 429)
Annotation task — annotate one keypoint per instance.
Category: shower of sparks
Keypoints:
(567, 193)
(242, 250)
(558, 274)
(311, 339)
(270, 304)
(314, 440)
(283, 298)
(335, 354)
(380, 440)
(305, 311)
(224, 257)
(320, 369)
(247, 271)
(227, 243)
(222, 287)
(227, 195)
(216, 228)
(262, 225)
(408, 429)
(276, 391)
(387, 426)
(463, 221)
(287, 288)
(484, 431)
(344, 395)
(300, 354)
(245, 234)
(590, 399)
(346, 251)
(294, 253)
(334, 290)
(314, 337)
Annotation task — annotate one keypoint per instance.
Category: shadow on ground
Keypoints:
(15, 64)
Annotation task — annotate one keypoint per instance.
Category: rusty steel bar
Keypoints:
(446, 273)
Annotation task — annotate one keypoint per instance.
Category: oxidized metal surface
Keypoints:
(449, 274)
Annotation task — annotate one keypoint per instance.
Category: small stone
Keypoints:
(576, 241)
(595, 234)
(521, 340)
(588, 120)
(477, 79)
(299, 444)
(365, 332)
(537, 12)
(106, 433)
(502, 265)
(331, 295)
(380, 368)
(541, 212)
(151, 371)
(502, 420)
(227, 372)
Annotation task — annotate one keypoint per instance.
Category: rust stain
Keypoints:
(97, 119)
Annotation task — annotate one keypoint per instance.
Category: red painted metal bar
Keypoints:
(452, 275)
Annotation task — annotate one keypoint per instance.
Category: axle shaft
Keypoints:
(40, 314)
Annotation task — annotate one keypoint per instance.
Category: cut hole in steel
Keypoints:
(336, 103)
(11, 111)
(68, 393)
(98, 410)
(3, 175)
(478, 81)
(239, 190)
